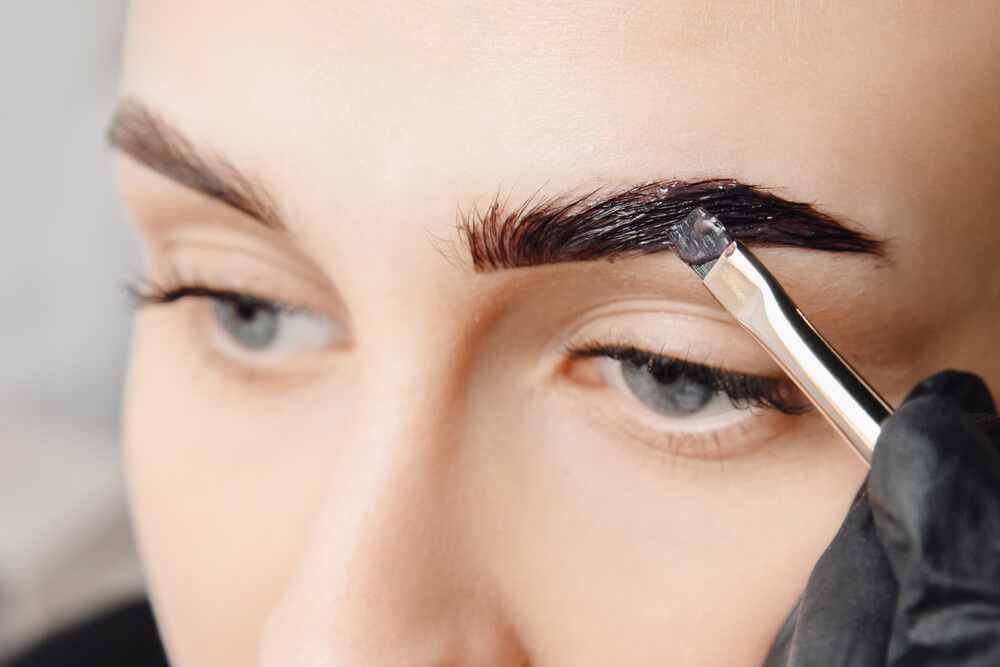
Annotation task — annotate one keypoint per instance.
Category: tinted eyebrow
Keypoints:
(633, 221)
(140, 133)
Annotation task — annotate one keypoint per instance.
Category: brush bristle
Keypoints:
(699, 240)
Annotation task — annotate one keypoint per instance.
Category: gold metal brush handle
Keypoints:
(751, 295)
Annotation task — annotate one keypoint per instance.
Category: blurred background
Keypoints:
(66, 550)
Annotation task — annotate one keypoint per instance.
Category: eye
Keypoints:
(261, 325)
(680, 389)
(267, 329)
(664, 388)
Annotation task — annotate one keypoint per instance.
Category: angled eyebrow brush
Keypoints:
(748, 291)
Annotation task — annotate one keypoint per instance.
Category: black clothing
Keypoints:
(125, 636)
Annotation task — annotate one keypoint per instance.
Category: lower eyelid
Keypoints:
(734, 433)
(214, 351)
(743, 433)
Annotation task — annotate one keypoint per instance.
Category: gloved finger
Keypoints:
(967, 390)
(844, 615)
(934, 491)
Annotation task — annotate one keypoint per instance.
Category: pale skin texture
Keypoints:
(442, 487)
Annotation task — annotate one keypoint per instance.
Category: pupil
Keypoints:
(664, 373)
(246, 309)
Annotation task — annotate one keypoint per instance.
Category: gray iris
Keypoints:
(251, 322)
(676, 396)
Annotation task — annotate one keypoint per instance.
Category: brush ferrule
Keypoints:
(746, 289)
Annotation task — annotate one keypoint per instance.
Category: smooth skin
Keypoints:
(441, 485)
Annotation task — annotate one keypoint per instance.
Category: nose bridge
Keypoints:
(382, 579)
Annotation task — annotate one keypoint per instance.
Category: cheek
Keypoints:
(220, 501)
(616, 554)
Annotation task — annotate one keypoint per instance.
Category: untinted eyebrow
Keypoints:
(138, 132)
(634, 221)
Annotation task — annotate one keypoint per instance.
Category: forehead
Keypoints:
(515, 52)
(466, 97)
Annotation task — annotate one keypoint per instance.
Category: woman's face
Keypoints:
(406, 461)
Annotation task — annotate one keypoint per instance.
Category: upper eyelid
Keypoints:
(189, 254)
(631, 352)
(156, 295)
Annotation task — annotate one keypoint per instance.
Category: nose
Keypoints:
(385, 577)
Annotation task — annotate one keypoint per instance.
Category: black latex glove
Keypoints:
(913, 576)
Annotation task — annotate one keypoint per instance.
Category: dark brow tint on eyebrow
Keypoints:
(634, 222)
(138, 132)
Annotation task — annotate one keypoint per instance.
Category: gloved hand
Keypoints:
(913, 576)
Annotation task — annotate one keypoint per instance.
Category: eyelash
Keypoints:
(743, 390)
(152, 294)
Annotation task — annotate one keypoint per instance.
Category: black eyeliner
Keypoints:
(150, 294)
(742, 389)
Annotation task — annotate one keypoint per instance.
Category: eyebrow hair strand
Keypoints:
(147, 138)
(634, 221)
